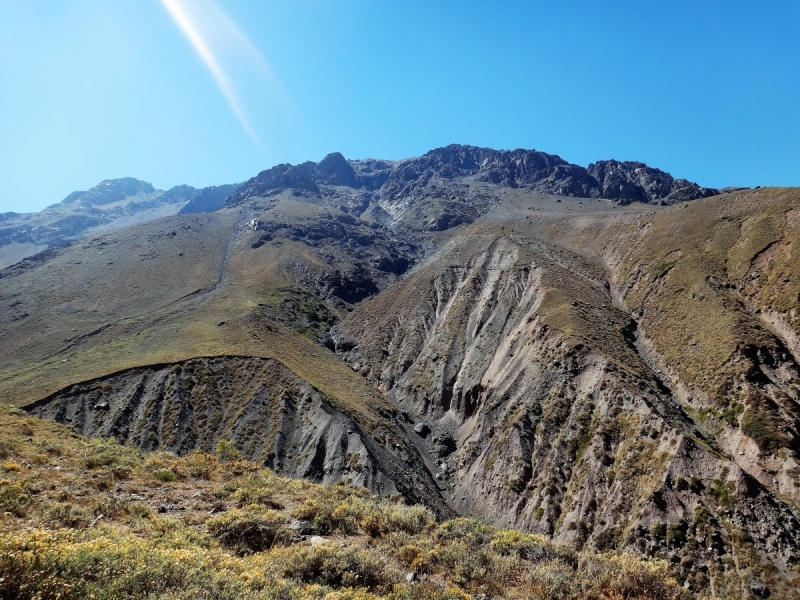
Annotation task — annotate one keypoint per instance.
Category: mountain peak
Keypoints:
(110, 190)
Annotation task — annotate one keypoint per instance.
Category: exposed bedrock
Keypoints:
(560, 425)
(272, 416)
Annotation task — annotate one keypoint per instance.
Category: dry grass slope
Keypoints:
(89, 518)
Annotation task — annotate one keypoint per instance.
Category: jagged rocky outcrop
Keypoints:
(112, 190)
(457, 184)
(333, 170)
(416, 177)
(636, 182)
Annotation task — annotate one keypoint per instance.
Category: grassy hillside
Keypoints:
(89, 518)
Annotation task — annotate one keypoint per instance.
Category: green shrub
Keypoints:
(253, 491)
(226, 451)
(346, 510)
(467, 565)
(165, 475)
(721, 491)
(108, 452)
(553, 581)
(658, 530)
(528, 546)
(333, 565)
(197, 465)
(64, 514)
(473, 531)
(338, 508)
(410, 519)
(12, 496)
(250, 529)
(43, 565)
(676, 533)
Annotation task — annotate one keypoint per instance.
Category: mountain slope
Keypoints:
(610, 372)
(589, 419)
(111, 204)
(90, 518)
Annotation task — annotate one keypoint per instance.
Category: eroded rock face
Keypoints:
(561, 426)
(273, 417)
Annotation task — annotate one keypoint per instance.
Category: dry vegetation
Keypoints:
(90, 518)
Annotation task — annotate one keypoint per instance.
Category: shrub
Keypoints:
(332, 565)
(536, 548)
(721, 491)
(108, 452)
(226, 451)
(64, 514)
(658, 530)
(467, 566)
(52, 448)
(410, 519)
(676, 534)
(253, 491)
(415, 552)
(344, 509)
(196, 465)
(249, 529)
(552, 581)
(474, 531)
(11, 467)
(165, 475)
(335, 508)
(625, 576)
(12, 496)
(42, 565)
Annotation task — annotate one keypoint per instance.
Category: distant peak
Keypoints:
(111, 190)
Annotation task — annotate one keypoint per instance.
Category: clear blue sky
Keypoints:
(95, 89)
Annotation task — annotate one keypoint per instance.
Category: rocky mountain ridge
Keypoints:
(622, 181)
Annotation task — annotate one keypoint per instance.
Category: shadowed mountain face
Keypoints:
(457, 329)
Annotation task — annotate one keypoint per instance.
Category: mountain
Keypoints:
(217, 526)
(111, 204)
(208, 199)
(599, 368)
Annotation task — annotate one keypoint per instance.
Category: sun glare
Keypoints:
(211, 33)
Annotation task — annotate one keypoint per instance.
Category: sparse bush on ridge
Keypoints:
(342, 509)
(165, 475)
(333, 565)
(250, 529)
(226, 451)
(104, 452)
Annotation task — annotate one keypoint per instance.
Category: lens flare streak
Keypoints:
(198, 20)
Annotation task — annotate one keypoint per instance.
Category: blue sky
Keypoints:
(92, 89)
